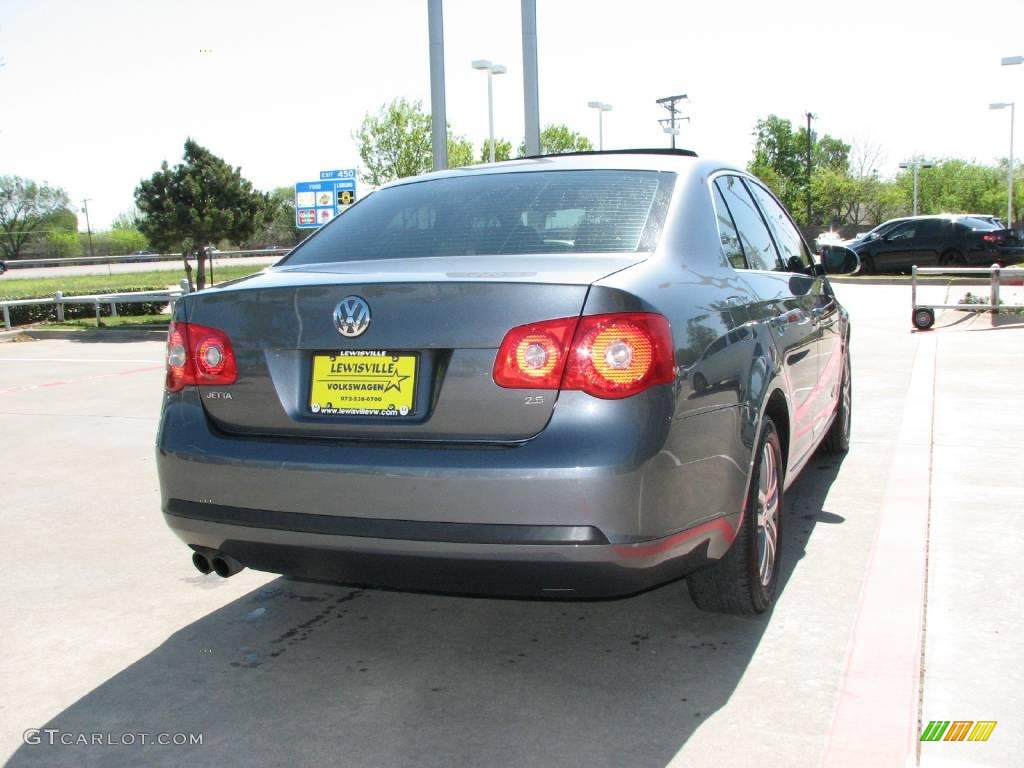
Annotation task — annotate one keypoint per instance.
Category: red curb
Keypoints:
(876, 716)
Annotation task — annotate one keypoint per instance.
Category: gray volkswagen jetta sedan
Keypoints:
(570, 376)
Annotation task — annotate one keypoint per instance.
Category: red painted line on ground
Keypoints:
(876, 716)
(67, 382)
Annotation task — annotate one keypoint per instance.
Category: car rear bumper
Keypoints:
(507, 569)
(563, 514)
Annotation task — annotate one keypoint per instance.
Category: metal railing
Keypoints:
(133, 257)
(113, 299)
(923, 315)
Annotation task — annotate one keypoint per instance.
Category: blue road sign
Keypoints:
(317, 202)
(346, 173)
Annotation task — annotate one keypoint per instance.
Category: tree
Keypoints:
(502, 150)
(199, 201)
(279, 227)
(395, 143)
(776, 160)
(61, 244)
(460, 151)
(24, 208)
(780, 160)
(557, 139)
(127, 219)
(833, 193)
(126, 240)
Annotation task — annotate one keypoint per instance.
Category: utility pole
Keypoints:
(88, 227)
(669, 123)
(810, 145)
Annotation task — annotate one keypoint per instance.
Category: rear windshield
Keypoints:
(985, 225)
(599, 211)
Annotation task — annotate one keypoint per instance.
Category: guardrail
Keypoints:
(923, 315)
(113, 299)
(133, 257)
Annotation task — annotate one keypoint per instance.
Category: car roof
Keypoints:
(682, 162)
(942, 216)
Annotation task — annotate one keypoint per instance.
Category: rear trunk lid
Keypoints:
(435, 325)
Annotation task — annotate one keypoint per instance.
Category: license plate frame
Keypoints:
(358, 382)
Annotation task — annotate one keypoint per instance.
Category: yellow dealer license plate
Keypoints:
(363, 383)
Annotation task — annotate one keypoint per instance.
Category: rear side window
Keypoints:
(983, 225)
(753, 234)
(795, 254)
(727, 234)
(934, 228)
(599, 211)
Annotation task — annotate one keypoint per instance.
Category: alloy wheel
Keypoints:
(767, 513)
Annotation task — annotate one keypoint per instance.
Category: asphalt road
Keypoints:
(109, 630)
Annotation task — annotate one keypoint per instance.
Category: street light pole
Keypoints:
(601, 108)
(492, 69)
(1008, 61)
(916, 165)
(1009, 172)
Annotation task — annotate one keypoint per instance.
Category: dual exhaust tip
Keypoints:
(210, 561)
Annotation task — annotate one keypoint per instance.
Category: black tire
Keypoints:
(838, 438)
(742, 582)
(700, 384)
(952, 258)
(923, 318)
(868, 265)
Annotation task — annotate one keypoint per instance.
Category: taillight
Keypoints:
(533, 356)
(198, 354)
(609, 356)
(992, 237)
(618, 355)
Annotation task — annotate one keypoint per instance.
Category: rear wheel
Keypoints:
(745, 579)
(953, 258)
(838, 438)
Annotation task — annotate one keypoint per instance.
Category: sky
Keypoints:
(94, 96)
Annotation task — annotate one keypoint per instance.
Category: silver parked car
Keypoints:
(485, 380)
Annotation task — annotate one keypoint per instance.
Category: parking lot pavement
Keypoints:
(117, 634)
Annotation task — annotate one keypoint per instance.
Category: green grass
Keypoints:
(78, 285)
(145, 322)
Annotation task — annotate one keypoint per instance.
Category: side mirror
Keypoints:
(837, 260)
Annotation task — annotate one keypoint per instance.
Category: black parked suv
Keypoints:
(928, 241)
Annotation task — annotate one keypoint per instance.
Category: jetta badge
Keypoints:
(352, 316)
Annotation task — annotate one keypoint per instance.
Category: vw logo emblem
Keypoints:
(352, 316)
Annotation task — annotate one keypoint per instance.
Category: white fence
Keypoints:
(113, 299)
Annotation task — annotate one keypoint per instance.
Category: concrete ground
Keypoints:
(111, 631)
